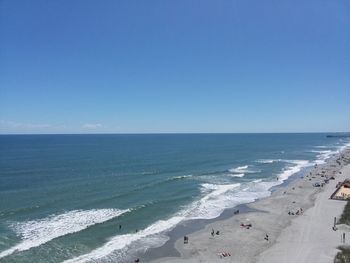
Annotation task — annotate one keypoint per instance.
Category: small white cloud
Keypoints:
(92, 125)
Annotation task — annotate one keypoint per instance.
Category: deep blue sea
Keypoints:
(63, 197)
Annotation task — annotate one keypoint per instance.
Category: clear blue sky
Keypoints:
(174, 66)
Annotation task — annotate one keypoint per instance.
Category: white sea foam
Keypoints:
(257, 181)
(150, 235)
(343, 147)
(299, 164)
(37, 232)
(208, 187)
(220, 197)
(238, 169)
(269, 161)
(217, 189)
(338, 149)
(255, 190)
(323, 155)
(216, 198)
(266, 161)
(211, 205)
(237, 175)
(242, 169)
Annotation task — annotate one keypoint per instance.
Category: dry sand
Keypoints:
(304, 238)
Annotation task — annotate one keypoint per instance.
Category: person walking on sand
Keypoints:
(185, 239)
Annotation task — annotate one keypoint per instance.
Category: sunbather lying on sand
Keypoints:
(247, 226)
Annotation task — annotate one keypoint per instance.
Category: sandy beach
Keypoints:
(293, 224)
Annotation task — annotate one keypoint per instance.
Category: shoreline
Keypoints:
(168, 249)
(245, 245)
(186, 228)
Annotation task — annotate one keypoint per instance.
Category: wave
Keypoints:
(180, 177)
(237, 175)
(299, 164)
(218, 189)
(256, 189)
(239, 169)
(243, 169)
(37, 232)
(270, 161)
(209, 206)
(120, 243)
(343, 147)
(267, 161)
(323, 155)
(321, 151)
(216, 199)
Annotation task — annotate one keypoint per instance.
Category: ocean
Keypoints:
(103, 198)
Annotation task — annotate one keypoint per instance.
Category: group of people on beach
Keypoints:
(247, 226)
(224, 254)
(298, 212)
(213, 232)
(266, 237)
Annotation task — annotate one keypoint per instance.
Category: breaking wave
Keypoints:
(299, 164)
(237, 175)
(37, 232)
(243, 169)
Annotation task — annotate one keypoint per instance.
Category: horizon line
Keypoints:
(174, 133)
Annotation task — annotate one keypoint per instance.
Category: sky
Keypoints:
(162, 66)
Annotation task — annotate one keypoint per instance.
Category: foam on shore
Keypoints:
(37, 232)
(289, 171)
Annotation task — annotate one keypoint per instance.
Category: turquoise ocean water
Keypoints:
(63, 197)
